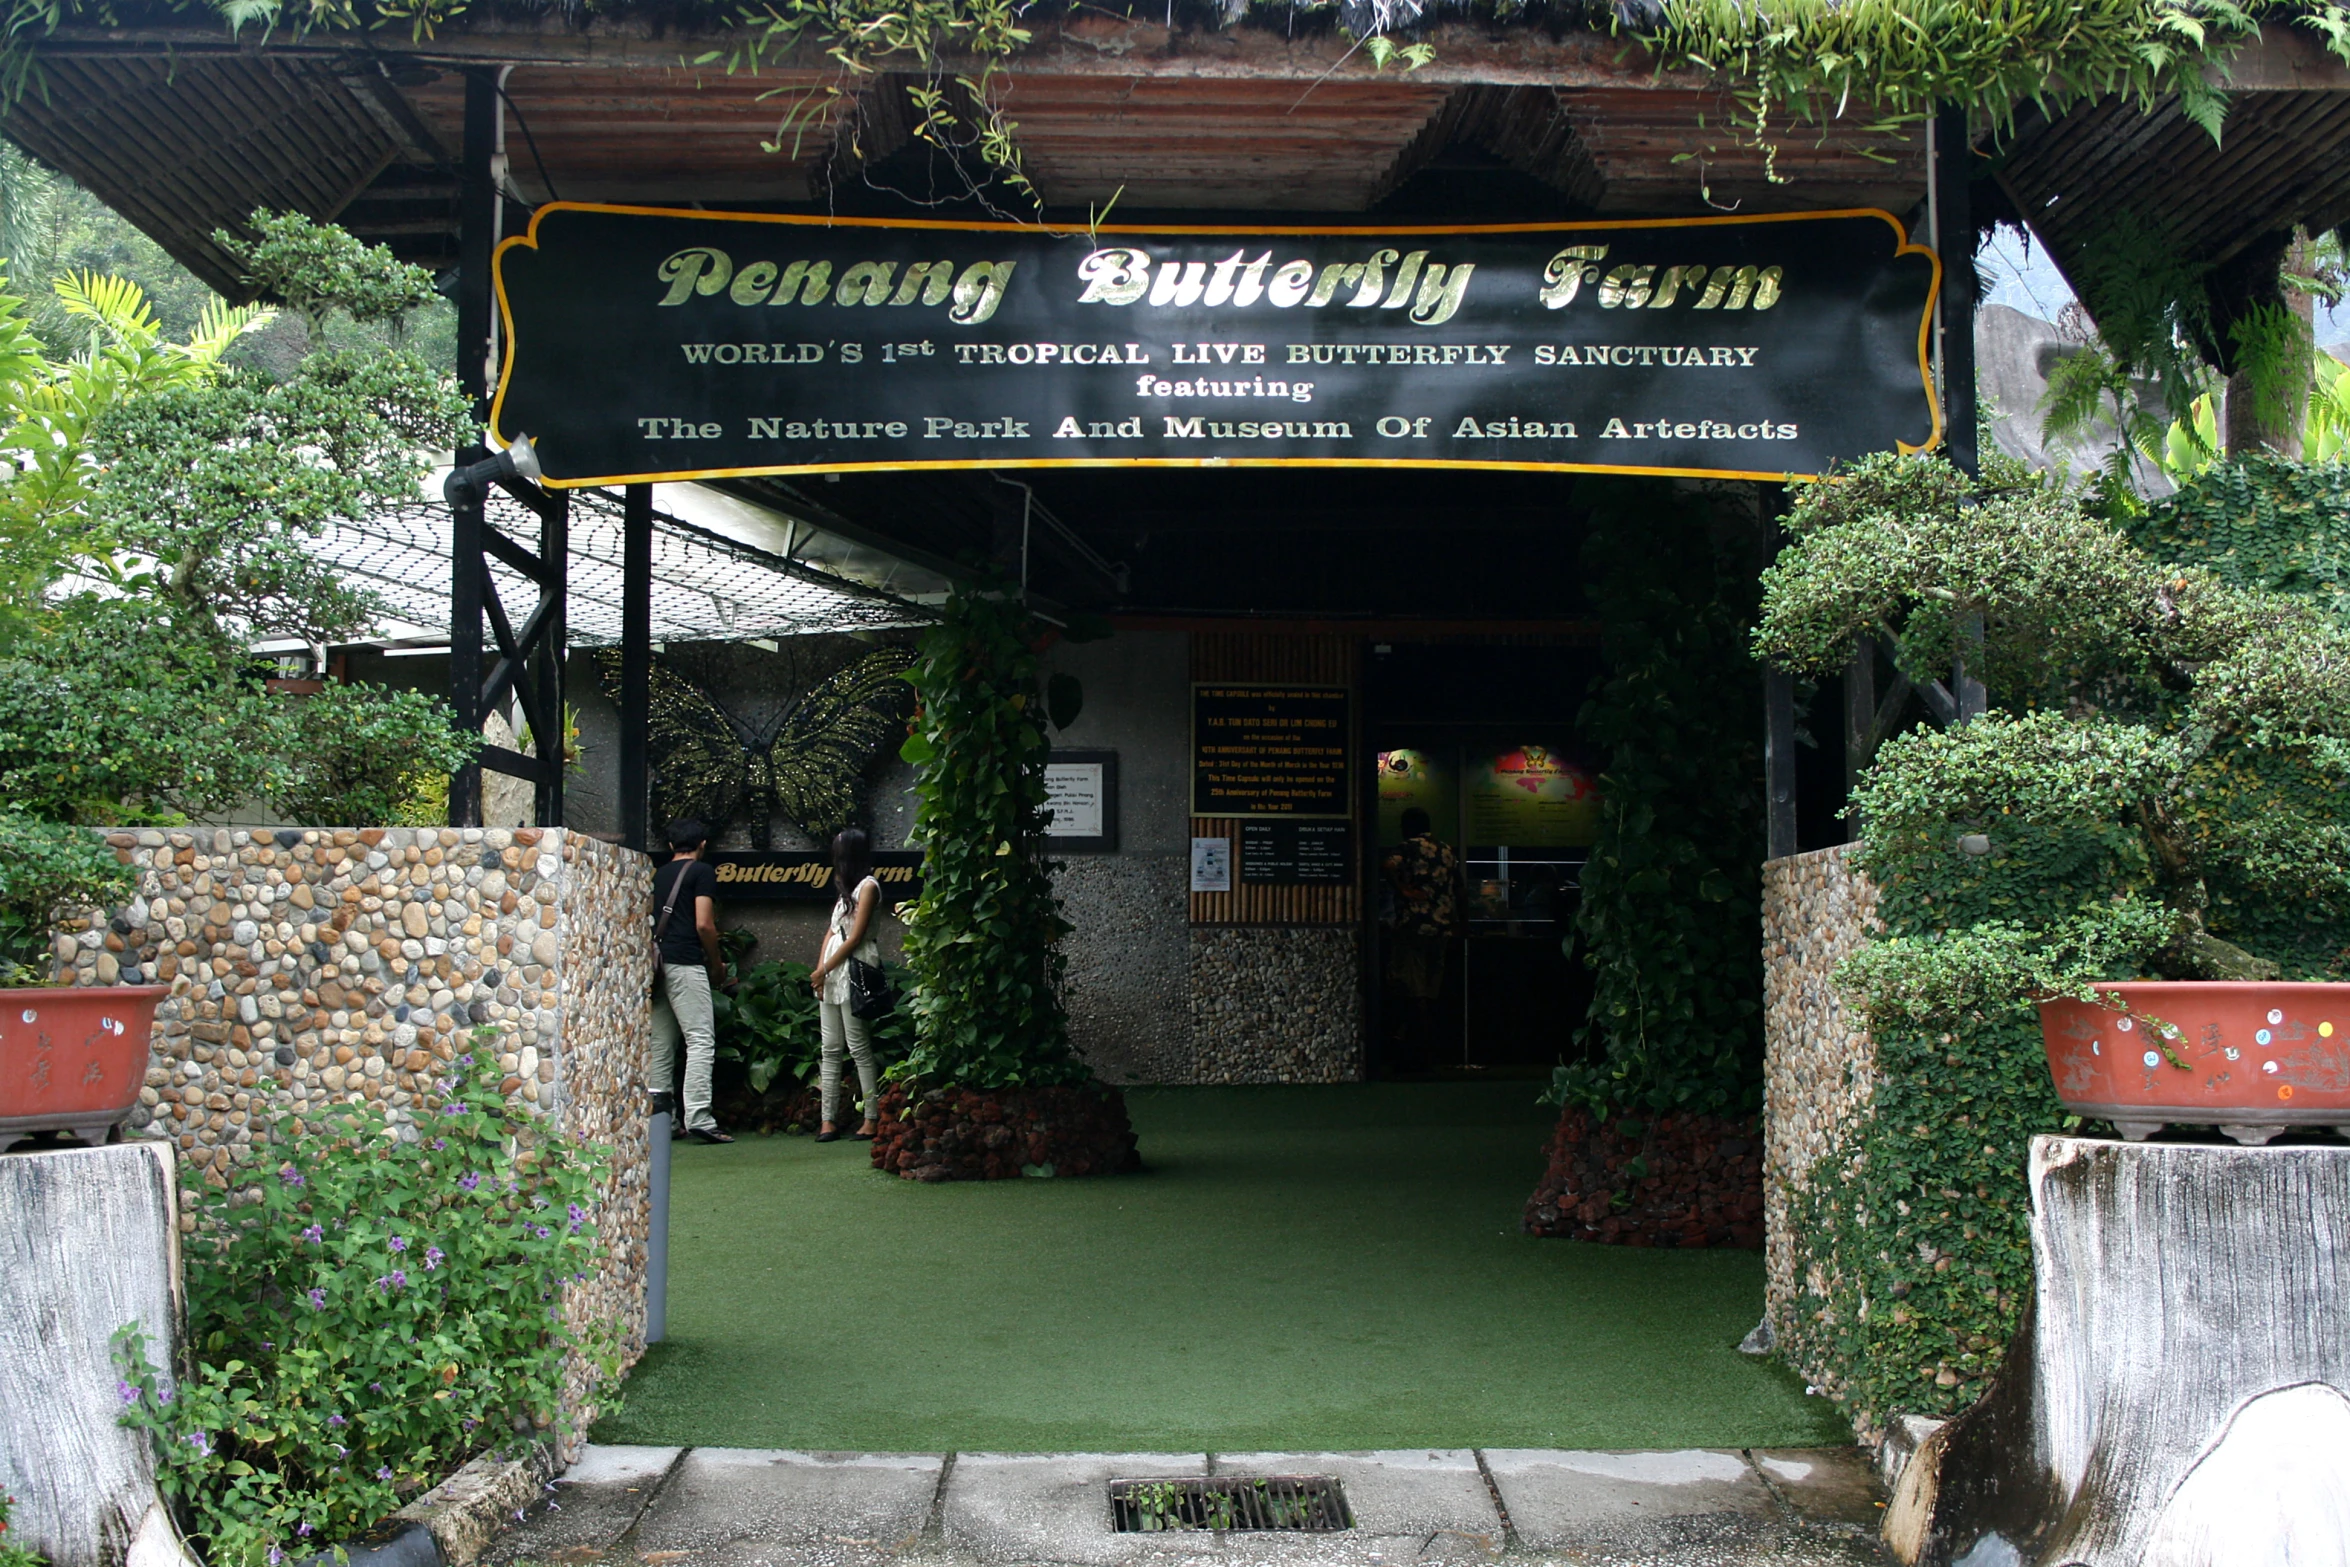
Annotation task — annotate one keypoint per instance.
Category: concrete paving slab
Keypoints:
(1030, 1509)
(1829, 1484)
(618, 1465)
(1421, 1492)
(765, 1508)
(588, 1508)
(1564, 1499)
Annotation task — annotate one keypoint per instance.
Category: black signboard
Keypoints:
(1269, 751)
(647, 344)
(806, 877)
(1290, 853)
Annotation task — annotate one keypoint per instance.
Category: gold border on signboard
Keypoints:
(1191, 780)
(528, 239)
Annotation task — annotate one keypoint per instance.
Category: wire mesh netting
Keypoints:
(706, 588)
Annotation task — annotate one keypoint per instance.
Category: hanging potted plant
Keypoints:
(72, 1058)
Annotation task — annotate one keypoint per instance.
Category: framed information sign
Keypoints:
(1264, 750)
(1081, 793)
(1289, 854)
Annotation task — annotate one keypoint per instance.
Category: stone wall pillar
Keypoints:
(316, 965)
(1819, 1064)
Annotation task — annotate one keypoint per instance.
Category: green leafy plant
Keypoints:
(769, 1025)
(983, 939)
(48, 874)
(11, 1553)
(1671, 891)
(383, 1303)
(2158, 792)
(192, 491)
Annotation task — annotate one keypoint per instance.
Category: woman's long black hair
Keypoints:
(852, 862)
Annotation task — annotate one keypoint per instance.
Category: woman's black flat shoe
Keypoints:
(860, 1137)
(704, 1134)
(828, 1137)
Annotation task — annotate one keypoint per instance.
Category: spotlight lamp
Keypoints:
(473, 481)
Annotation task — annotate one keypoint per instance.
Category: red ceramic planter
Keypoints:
(73, 1058)
(2260, 1056)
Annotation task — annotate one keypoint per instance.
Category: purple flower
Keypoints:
(543, 1231)
(315, 1235)
(336, 1420)
(275, 1556)
(304, 1531)
(470, 1424)
(375, 1387)
(438, 1144)
(201, 1442)
(465, 1059)
(399, 1243)
(397, 1279)
(452, 1109)
(291, 1176)
(318, 1300)
(578, 1214)
(433, 1256)
(472, 1179)
(383, 1474)
(342, 1451)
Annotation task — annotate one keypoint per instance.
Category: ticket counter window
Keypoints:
(1519, 815)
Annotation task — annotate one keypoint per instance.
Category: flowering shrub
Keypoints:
(12, 1554)
(384, 1303)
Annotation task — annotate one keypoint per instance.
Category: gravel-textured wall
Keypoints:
(1819, 1064)
(1127, 988)
(312, 964)
(1275, 1004)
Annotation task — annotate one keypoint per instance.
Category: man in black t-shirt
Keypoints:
(690, 964)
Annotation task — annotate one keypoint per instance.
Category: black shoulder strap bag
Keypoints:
(661, 927)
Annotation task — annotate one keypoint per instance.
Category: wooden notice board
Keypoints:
(1271, 750)
(1280, 658)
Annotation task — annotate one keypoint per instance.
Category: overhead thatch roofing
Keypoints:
(184, 129)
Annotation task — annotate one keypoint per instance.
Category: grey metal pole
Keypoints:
(657, 1233)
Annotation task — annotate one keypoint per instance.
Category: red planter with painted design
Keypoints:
(2260, 1056)
(73, 1058)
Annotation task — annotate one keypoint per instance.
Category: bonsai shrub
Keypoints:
(2157, 792)
(48, 874)
(190, 490)
(380, 1306)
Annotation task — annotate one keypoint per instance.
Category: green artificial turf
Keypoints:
(1297, 1268)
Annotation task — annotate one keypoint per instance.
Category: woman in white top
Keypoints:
(848, 934)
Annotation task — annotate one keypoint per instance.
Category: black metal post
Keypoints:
(1779, 762)
(465, 660)
(477, 237)
(636, 665)
(1954, 157)
(477, 219)
(547, 664)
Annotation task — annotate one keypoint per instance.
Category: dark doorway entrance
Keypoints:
(1479, 734)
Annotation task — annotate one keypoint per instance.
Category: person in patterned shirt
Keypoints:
(1424, 881)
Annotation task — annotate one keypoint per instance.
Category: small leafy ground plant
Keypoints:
(382, 1303)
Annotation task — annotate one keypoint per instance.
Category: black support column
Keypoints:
(477, 217)
(1954, 237)
(636, 665)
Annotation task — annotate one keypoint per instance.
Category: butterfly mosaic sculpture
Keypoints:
(807, 764)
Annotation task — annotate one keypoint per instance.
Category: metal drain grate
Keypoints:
(1290, 1504)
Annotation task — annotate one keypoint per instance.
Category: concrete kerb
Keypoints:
(718, 1507)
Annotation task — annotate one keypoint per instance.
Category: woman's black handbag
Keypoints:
(870, 995)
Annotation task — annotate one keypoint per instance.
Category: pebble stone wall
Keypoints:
(313, 964)
(1275, 1004)
(1819, 1064)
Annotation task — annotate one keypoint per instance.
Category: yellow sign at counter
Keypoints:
(1531, 797)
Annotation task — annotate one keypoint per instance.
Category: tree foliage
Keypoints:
(1671, 892)
(983, 940)
(160, 504)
